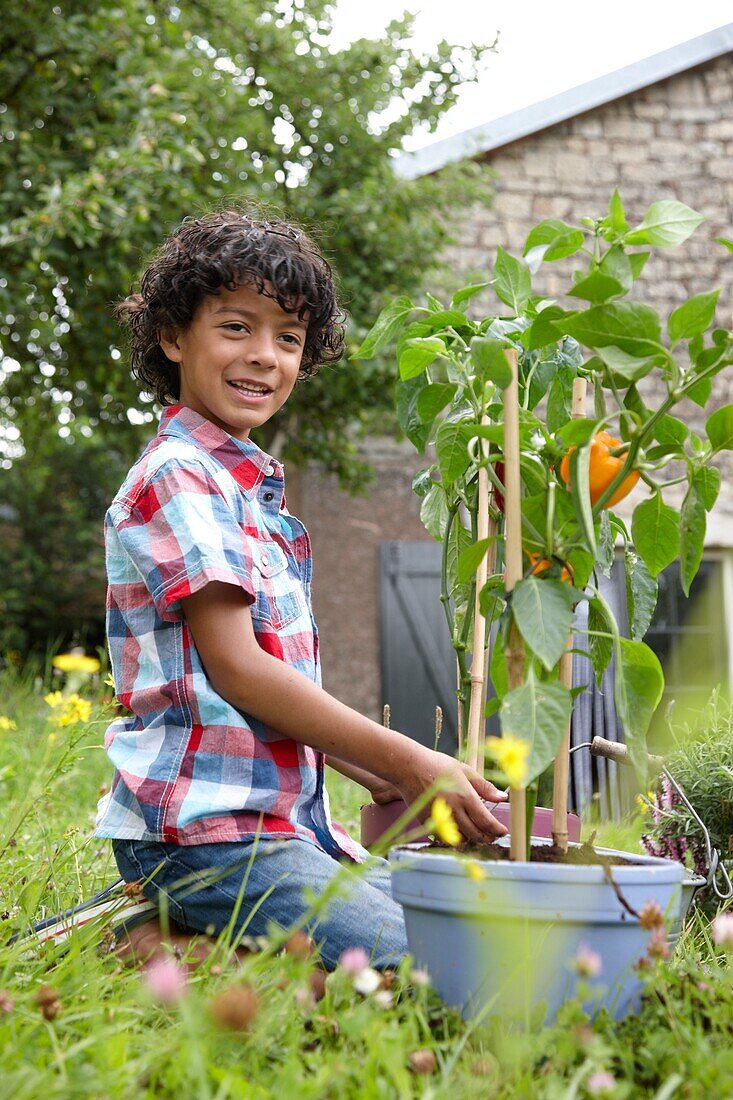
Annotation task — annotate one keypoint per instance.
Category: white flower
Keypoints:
(367, 981)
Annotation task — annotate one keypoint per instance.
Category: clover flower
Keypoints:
(367, 981)
(511, 754)
(7, 724)
(601, 1084)
(723, 930)
(588, 963)
(444, 822)
(166, 979)
(353, 960)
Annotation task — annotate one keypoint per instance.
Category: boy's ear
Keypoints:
(168, 341)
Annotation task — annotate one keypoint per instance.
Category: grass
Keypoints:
(107, 1035)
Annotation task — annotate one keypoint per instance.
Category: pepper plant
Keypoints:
(627, 443)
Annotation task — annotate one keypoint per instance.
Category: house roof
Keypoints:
(548, 112)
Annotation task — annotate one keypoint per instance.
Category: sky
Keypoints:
(543, 48)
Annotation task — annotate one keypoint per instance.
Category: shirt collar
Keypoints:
(248, 464)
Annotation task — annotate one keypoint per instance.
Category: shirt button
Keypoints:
(269, 471)
(268, 496)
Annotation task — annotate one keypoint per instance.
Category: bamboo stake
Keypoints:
(513, 536)
(561, 772)
(486, 528)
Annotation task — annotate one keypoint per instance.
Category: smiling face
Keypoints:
(238, 359)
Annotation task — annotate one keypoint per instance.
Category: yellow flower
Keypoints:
(75, 662)
(70, 709)
(7, 724)
(444, 822)
(475, 871)
(511, 755)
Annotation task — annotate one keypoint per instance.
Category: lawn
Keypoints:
(75, 1023)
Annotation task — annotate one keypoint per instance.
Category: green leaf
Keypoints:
(537, 712)
(434, 512)
(559, 398)
(693, 317)
(451, 445)
(630, 326)
(497, 664)
(599, 645)
(719, 428)
(665, 225)
(637, 260)
(422, 482)
(444, 319)
(693, 522)
(489, 357)
(389, 322)
(707, 481)
(512, 281)
(419, 353)
(544, 330)
(459, 540)
(700, 393)
(467, 292)
(671, 430)
(576, 431)
(655, 529)
(629, 368)
(606, 545)
(470, 559)
(617, 264)
(554, 240)
(581, 565)
(433, 398)
(641, 594)
(617, 214)
(597, 288)
(638, 688)
(407, 395)
(543, 612)
(580, 492)
(725, 243)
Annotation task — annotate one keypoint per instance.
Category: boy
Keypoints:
(218, 800)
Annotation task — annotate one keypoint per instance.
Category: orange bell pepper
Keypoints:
(603, 468)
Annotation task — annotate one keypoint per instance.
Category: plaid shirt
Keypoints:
(201, 506)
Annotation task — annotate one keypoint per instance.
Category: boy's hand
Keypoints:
(462, 788)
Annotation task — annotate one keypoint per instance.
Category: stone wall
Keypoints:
(671, 140)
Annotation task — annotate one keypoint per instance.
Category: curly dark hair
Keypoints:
(229, 249)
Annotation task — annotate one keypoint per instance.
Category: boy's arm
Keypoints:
(381, 790)
(260, 684)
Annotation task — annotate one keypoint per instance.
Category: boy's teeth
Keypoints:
(257, 390)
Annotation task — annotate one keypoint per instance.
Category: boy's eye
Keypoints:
(235, 326)
(292, 338)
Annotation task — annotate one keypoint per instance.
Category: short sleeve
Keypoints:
(180, 533)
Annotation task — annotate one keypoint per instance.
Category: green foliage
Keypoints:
(457, 370)
(52, 504)
(700, 759)
(120, 118)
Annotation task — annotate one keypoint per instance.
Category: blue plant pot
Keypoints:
(508, 943)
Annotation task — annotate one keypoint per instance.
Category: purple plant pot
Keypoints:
(376, 821)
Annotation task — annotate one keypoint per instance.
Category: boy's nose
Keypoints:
(262, 349)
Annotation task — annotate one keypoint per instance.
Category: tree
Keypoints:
(119, 118)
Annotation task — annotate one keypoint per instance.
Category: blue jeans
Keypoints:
(252, 885)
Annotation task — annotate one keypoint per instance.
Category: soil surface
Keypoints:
(585, 855)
